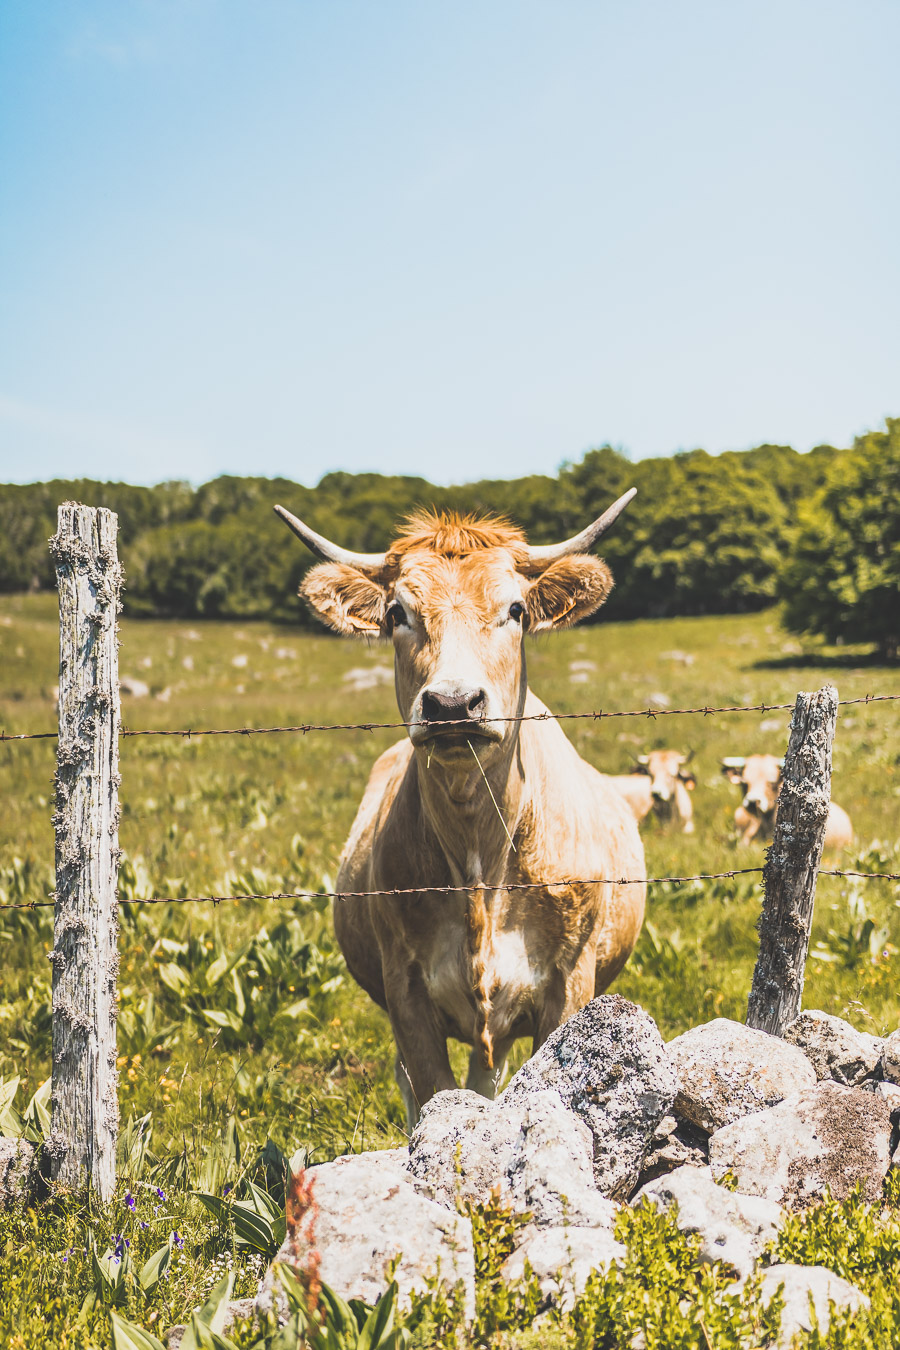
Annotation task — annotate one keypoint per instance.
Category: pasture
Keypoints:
(238, 1023)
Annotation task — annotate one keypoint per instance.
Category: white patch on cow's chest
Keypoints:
(508, 971)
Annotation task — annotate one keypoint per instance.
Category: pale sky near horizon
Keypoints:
(462, 240)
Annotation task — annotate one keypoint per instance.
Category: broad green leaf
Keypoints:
(380, 1320)
(253, 1230)
(174, 978)
(151, 1271)
(218, 1207)
(11, 1122)
(37, 1114)
(218, 968)
(263, 1203)
(126, 1336)
(223, 1017)
(211, 1317)
(240, 1001)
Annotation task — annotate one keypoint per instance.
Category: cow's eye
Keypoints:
(517, 611)
(395, 616)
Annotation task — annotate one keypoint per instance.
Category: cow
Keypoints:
(502, 811)
(760, 777)
(660, 782)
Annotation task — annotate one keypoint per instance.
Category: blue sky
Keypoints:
(453, 239)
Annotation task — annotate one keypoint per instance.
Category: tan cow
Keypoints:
(660, 783)
(473, 798)
(760, 776)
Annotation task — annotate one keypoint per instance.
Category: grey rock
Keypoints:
(834, 1048)
(608, 1065)
(827, 1289)
(128, 684)
(238, 1308)
(369, 1212)
(826, 1136)
(16, 1163)
(675, 1143)
(534, 1154)
(727, 1070)
(890, 1058)
(562, 1259)
(732, 1227)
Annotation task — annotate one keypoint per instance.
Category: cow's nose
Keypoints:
(468, 706)
(660, 794)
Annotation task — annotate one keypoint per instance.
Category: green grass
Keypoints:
(283, 1046)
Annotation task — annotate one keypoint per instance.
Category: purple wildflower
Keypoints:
(161, 1193)
(178, 1239)
(130, 1201)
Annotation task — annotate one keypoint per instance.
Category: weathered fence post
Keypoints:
(85, 1115)
(793, 863)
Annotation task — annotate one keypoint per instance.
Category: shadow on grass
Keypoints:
(826, 661)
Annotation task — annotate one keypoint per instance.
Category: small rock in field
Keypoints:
(727, 1070)
(133, 687)
(16, 1158)
(834, 1048)
(562, 1259)
(609, 1065)
(238, 1308)
(827, 1136)
(733, 1227)
(890, 1058)
(535, 1154)
(369, 1211)
(826, 1288)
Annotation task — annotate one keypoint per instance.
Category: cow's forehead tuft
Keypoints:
(451, 535)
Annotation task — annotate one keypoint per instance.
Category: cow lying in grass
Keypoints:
(760, 777)
(472, 798)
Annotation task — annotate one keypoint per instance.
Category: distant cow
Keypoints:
(492, 829)
(760, 777)
(659, 783)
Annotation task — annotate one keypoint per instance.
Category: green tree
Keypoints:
(841, 579)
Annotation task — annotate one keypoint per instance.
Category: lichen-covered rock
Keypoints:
(368, 1213)
(890, 1058)
(732, 1227)
(562, 1259)
(675, 1143)
(727, 1070)
(828, 1291)
(823, 1137)
(535, 1154)
(608, 1065)
(16, 1161)
(834, 1048)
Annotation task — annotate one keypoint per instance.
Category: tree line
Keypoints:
(705, 535)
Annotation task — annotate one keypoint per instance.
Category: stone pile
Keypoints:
(606, 1114)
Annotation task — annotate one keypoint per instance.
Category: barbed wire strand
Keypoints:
(595, 716)
(460, 890)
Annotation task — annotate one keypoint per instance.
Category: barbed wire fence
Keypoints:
(84, 959)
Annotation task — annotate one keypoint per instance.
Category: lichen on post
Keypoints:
(792, 863)
(85, 960)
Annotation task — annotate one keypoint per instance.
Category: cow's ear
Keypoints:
(567, 591)
(733, 772)
(345, 599)
(689, 781)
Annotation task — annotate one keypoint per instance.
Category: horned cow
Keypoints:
(476, 799)
(661, 783)
(760, 777)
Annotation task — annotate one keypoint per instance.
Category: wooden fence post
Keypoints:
(792, 864)
(85, 1113)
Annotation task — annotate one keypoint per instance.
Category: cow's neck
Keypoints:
(473, 811)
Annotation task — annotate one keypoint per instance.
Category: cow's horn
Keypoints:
(733, 762)
(541, 556)
(370, 563)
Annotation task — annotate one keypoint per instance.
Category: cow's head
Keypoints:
(760, 777)
(456, 595)
(665, 769)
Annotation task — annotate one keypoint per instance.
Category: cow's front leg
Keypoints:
(486, 1081)
(566, 994)
(422, 1065)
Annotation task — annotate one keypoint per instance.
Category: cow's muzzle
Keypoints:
(455, 715)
